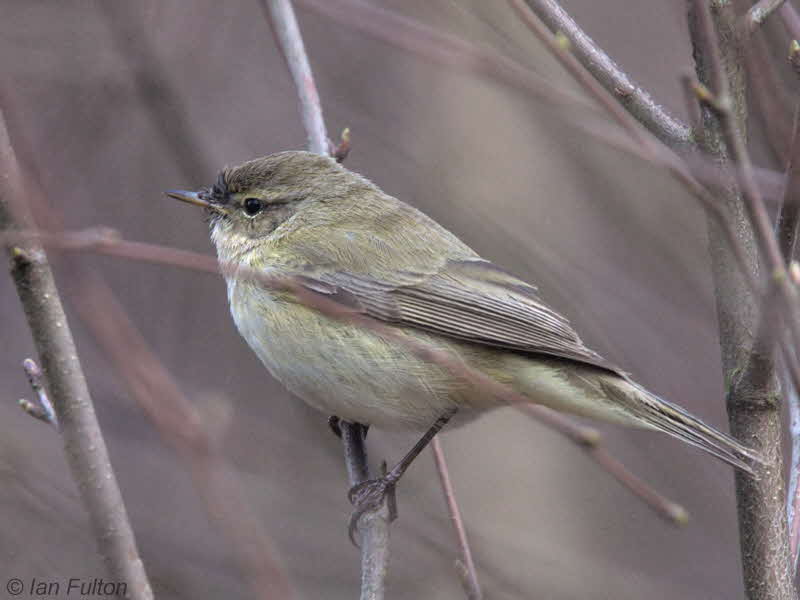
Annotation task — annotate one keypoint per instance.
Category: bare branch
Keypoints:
(373, 526)
(84, 446)
(632, 96)
(471, 585)
(287, 35)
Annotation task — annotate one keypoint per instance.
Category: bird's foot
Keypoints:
(368, 496)
(334, 423)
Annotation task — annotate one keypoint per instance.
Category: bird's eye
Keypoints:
(252, 206)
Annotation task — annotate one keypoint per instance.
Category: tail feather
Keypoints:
(674, 420)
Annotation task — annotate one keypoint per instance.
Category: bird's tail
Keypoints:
(675, 421)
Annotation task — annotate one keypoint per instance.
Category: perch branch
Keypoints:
(374, 525)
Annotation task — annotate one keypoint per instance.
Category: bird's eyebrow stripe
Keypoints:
(271, 201)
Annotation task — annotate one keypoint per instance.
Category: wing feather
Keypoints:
(470, 300)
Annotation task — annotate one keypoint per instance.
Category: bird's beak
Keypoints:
(193, 198)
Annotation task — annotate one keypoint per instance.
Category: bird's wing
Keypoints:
(468, 299)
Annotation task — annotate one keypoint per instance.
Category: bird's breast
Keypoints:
(338, 367)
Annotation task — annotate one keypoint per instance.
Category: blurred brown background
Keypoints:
(119, 101)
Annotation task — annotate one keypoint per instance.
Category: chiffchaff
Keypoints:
(302, 214)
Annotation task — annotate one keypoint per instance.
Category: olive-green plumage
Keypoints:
(303, 214)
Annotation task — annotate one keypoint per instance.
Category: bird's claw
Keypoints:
(334, 423)
(368, 497)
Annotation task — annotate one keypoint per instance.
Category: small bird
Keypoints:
(306, 216)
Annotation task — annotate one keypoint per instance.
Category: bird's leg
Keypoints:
(334, 423)
(368, 495)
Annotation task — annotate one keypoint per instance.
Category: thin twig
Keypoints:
(590, 440)
(84, 446)
(287, 35)
(43, 408)
(759, 12)
(105, 243)
(471, 585)
(631, 95)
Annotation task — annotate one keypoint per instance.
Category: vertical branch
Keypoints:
(287, 34)
(748, 363)
(84, 446)
(374, 526)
